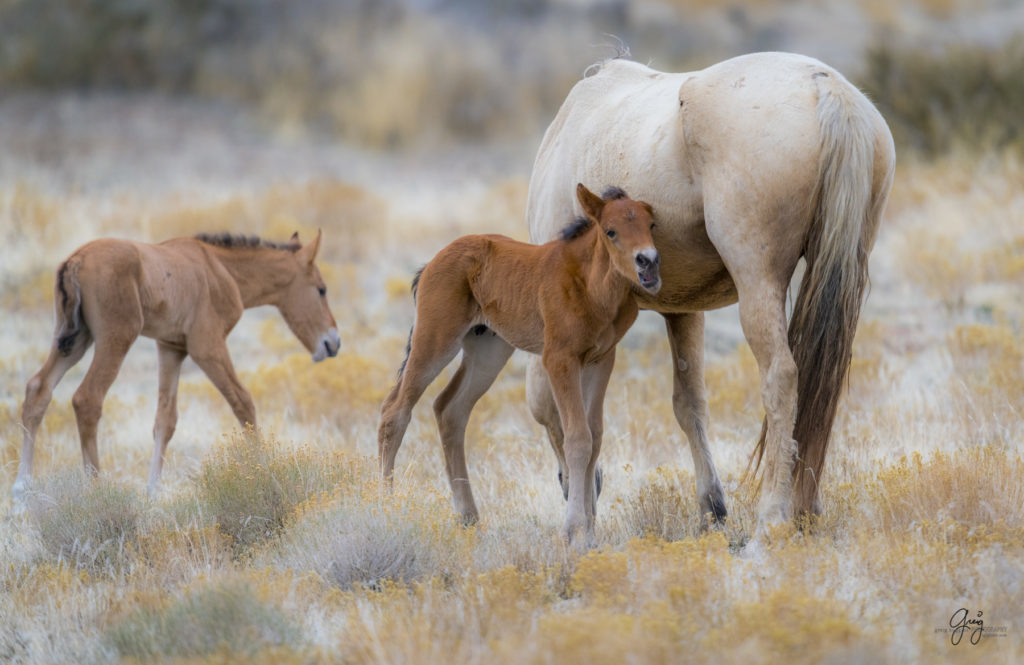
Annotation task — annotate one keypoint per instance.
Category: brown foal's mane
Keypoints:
(579, 226)
(239, 240)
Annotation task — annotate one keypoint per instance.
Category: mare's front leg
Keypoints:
(564, 372)
(595, 385)
(483, 356)
(170, 359)
(689, 401)
(38, 394)
(210, 352)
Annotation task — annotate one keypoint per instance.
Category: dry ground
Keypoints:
(278, 548)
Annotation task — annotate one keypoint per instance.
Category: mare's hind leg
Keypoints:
(763, 316)
(170, 359)
(483, 356)
(544, 410)
(689, 401)
(38, 394)
(435, 340)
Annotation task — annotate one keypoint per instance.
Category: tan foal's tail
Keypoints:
(824, 320)
(68, 301)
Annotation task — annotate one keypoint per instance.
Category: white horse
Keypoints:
(749, 165)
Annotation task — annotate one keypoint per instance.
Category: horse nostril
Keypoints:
(642, 261)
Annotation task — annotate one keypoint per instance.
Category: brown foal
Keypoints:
(570, 301)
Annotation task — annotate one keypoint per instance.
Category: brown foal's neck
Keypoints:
(261, 273)
(607, 288)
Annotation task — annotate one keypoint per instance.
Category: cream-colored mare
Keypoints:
(187, 294)
(749, 165)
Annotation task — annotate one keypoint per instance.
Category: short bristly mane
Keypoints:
(574, 229)
(579, 226)
(238, 240)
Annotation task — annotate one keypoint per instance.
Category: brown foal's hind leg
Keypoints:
(483, 356)
(689, 401)
(435, 341)
(38, 394)
(170, 359)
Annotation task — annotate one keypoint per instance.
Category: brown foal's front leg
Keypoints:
(564, 371)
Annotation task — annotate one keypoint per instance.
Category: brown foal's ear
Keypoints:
(591, 202)
(308, 252)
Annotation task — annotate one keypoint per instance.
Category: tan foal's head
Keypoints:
(626, 232)
(303, 304)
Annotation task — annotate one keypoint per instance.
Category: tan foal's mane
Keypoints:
(243, 241)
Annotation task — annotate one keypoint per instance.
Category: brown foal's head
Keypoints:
(304, 304)
(626, 226)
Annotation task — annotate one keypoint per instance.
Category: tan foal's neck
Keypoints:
(261, 273)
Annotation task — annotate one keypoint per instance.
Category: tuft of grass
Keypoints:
(90, 523)
(360, 537)
(247, 486)
(225, 618)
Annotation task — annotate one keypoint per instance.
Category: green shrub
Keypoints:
(959, 97)
(366, 538)
(247, 486)
(90, 523)
(226, 618)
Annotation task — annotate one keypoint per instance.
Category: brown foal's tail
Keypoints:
(408, 345)
(835, 281)
(68, 301)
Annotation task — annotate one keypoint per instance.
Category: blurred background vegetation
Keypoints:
(948, 74)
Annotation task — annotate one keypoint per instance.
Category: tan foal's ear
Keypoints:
(591, 202)
(307, 253)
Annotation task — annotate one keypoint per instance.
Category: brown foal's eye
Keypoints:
(652, 226)
(610, 233)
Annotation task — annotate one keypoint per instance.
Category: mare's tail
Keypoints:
(821, 331)
(68, 302)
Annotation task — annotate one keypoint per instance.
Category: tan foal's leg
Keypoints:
(170, 359)
(38, 394)
(88, 399)
(689, 401)
(564, 373)
(595, 385)
(483, 356)
(763, 316)
(210, 353)
(436, 339)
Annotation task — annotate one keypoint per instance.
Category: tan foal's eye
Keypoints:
(322, 290)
